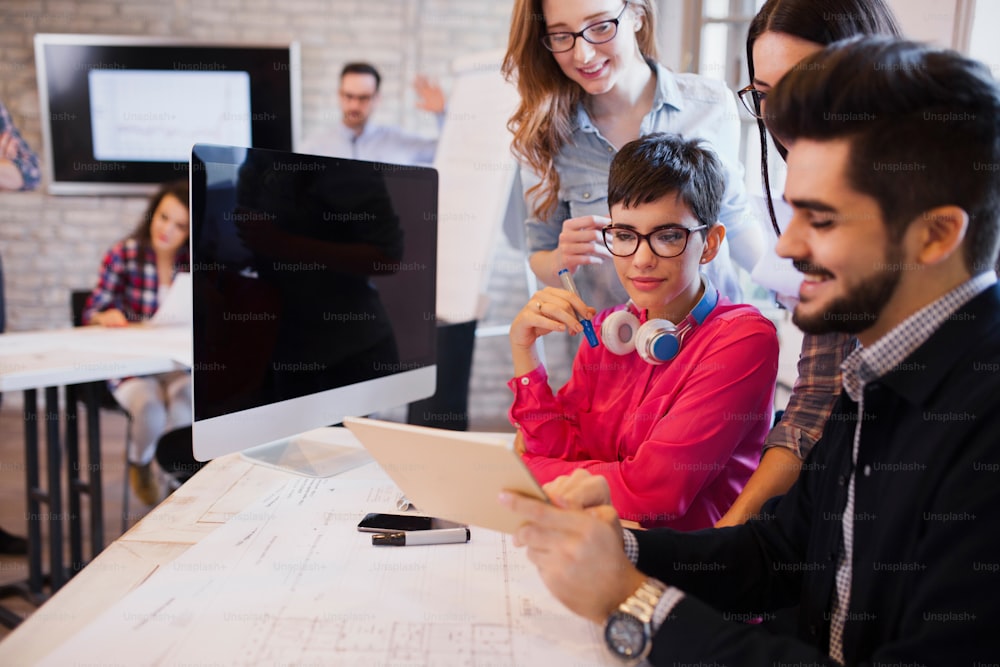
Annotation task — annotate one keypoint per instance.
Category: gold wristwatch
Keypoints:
(628, 631)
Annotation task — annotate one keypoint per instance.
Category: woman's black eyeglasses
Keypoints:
(595, 33)
(666, 241)
(753, 100)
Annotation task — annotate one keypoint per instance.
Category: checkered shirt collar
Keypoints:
(869, 363)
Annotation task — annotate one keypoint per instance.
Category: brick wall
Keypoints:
(55, 243)
(51, 245)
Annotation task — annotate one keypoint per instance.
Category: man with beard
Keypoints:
(889, 541)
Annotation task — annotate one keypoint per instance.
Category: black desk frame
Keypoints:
(50, 496)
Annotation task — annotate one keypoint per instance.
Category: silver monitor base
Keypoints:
(322, 452)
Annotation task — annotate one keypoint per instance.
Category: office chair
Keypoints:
(106, 400)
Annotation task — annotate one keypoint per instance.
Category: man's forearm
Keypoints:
(778, 470)
(541, 263)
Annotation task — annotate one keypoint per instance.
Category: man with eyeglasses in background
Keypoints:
(356, 137)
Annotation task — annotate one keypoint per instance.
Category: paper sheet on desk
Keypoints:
(291, 581)
(176, 307)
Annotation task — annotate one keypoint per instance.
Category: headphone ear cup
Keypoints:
(618, 332)
(657, 342)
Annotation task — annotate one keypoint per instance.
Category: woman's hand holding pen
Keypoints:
(580, 242)
(550, 309)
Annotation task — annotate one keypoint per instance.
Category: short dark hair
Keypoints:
(362, 68)
(660, 164)
(923, 126)
(821, 22)
(178, 189)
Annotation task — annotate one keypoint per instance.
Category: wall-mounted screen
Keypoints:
(120, 114)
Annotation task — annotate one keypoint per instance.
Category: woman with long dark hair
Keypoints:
(781, 34)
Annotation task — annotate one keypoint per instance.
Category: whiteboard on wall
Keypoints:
(476, 171)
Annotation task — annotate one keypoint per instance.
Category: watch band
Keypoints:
(643, 601)
(628, 631)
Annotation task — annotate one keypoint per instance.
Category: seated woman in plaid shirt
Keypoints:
(135, 276)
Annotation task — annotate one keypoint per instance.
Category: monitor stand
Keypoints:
(322, 452)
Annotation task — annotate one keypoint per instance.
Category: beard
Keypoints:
(860, 308)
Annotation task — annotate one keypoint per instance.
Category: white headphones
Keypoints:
(657, 341)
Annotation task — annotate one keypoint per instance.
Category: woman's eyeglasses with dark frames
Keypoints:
(665, 242)
(595, 33)
(753, 100)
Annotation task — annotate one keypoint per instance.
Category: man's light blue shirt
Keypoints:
(376, 143)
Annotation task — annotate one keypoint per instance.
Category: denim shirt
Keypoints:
(687, 104)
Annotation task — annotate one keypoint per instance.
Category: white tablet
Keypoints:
(454, 475)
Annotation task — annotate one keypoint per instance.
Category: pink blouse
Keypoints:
(676, 442)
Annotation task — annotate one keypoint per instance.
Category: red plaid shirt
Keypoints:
(129, 281)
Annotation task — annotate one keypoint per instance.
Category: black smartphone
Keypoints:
(394, 523)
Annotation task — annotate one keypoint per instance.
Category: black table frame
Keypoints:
(51, 495)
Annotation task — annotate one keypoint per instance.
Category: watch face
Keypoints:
(625, 635)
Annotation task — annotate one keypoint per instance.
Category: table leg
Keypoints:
(95, 470)
(75, 484)
(30, 590)
(51, 496)
(35, 494)
(53, 452)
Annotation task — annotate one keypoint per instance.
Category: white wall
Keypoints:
(928, 20)
(984, 44)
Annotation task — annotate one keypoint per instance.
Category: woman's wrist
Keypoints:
(525, 359)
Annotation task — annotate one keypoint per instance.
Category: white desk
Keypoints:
(459, 604)
(36, 359)
(63, 358)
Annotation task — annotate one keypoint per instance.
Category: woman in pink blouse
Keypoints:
(676, 433)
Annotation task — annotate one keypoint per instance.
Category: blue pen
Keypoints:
(588, 326)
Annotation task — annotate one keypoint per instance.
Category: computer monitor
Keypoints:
(313, 292)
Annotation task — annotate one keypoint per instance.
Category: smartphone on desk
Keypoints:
(376, 522)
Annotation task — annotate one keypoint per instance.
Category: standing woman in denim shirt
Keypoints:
(589, 83)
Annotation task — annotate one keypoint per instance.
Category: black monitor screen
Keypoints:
(309, 273)
(120, 114)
